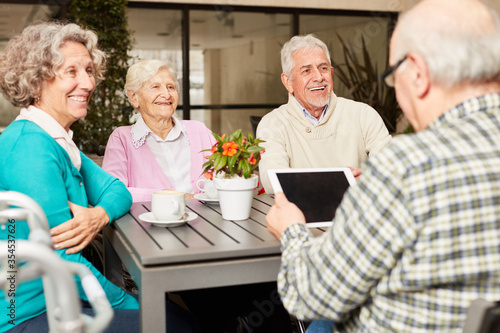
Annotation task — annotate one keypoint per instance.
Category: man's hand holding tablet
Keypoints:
(283, 214)
(316, 191)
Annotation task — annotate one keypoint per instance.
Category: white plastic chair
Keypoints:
(61, 296)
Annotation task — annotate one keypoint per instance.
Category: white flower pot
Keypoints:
(235, 196)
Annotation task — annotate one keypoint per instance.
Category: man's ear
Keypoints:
(421, 78)
(287, 82)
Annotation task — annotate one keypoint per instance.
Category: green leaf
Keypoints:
(216, 160)
(235, 135)
(207, 169)
(232, 160)
(254, 149)
(247, 169)
(217, 137)
(220, 162)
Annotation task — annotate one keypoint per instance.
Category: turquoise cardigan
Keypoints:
(33, 163)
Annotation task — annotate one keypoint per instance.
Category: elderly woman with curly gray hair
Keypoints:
(50, 70)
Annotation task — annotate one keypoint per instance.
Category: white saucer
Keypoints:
(203, 197)
(149, 217)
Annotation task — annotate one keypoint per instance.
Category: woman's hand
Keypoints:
(75, 234)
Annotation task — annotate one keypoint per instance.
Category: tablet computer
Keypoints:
(316, 191)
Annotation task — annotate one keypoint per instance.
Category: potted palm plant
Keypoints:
(360, 77)
(232, 162)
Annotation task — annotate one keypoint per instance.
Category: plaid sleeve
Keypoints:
(330, 276)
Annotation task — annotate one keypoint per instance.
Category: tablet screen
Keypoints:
(317, 194)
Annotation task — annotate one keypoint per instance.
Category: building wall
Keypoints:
(375, 5)
(258, 74)
(370, 5)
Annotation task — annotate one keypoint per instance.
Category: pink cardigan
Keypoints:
(137, 167)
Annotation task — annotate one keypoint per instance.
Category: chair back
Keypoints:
(483, 317)
(254, 120)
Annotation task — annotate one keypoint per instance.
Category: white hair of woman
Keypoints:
(143, 71)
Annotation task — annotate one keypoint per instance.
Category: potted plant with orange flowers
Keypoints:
(231, 165)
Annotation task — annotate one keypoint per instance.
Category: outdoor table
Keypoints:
(204, 253)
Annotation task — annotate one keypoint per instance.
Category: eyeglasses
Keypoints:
(388, 76)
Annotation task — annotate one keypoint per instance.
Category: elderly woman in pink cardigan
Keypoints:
(159, 151)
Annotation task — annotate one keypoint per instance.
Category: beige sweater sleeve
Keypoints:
(271, 130)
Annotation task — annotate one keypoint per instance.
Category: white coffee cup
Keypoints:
(168, 205)
(208, 188)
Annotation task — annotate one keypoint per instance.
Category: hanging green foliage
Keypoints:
(108, 107)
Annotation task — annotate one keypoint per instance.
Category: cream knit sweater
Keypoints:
(348, 133)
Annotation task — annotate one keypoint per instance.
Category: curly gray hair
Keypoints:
(34, 57)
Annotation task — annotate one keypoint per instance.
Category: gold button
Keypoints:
(81, 184)
(308, 129)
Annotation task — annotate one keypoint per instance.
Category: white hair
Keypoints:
(454, 51)
(297, 43)
(143, 71)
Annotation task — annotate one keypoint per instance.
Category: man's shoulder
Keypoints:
(280, 113)
(414, 149)
(348, 108)
(274, 122)
(352, 105)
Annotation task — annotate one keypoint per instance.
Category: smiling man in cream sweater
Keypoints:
(316, 128)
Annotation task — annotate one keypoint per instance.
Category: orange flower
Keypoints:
(209, 175)
(252, 160)
(243, 140)
(230, 148)
(214, 148)
(223, 136)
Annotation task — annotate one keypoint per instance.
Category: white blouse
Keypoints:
(172, 154)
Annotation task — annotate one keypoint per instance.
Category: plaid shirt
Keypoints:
(415, 241)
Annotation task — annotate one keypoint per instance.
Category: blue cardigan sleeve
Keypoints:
(103, 190)
(36, 168)
(34, 164)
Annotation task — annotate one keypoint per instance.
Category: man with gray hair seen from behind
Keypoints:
(417, 239)
(316, 129)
